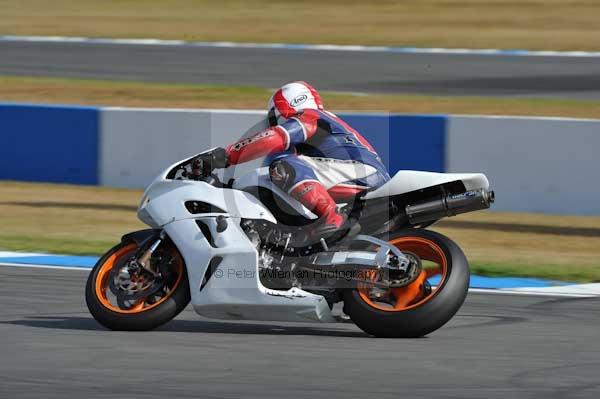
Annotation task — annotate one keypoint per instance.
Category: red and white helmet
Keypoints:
(291, 99)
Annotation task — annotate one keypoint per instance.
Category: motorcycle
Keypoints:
(242, 249)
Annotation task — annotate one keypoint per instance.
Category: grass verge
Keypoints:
(139, 94)
(574, 273)
(63, 218)
(88, 220)
(533, 24)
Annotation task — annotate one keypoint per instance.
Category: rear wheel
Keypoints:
(424, 305)
(120, 300)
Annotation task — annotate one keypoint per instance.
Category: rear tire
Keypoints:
(426, 315)
(146, 318)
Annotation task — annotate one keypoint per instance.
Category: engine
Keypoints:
(281, 252)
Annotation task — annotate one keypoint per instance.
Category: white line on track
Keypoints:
(87, 269)
(286, 46)
(532, 292)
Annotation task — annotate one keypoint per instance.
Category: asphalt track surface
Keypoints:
(350, 71)
(498, 346)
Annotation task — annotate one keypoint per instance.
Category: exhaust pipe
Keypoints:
(450, 205)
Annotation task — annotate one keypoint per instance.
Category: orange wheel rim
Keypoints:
(412, 295)
(102, 281)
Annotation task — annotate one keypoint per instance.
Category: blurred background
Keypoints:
(96, 97)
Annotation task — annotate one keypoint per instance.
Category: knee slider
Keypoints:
(282, 174)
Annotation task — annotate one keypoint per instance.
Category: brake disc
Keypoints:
(410, 275)
(130, 287)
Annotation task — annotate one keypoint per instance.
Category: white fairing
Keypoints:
(163, 201)
(234, 290)
(406, 181)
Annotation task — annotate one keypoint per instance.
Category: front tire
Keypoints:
(417, 309)
(144, 313)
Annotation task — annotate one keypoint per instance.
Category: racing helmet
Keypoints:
(292, 99)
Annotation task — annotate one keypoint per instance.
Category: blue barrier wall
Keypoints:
(61, 144)
(536, 164)
(411, 142)
(49, 144)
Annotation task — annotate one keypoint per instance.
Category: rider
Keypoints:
(313, 155)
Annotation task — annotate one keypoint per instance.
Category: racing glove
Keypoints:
(205, 163)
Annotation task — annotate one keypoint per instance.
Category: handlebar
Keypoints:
(187, 170)
(211, 179)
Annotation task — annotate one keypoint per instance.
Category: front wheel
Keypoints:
(121, 300)
(423, 306)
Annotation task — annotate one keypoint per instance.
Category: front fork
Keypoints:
(141, 259)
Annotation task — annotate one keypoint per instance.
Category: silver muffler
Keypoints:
(450, 205)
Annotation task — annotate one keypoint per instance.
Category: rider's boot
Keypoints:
(334, 225)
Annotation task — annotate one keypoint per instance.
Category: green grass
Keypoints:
(572, 272)
(56, 245)
(140, 94)
(40, 217)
